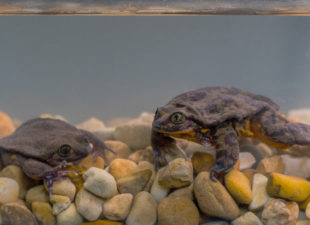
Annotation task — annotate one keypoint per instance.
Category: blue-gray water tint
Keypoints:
(111, 67)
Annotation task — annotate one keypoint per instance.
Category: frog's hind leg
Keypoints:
(274, 129)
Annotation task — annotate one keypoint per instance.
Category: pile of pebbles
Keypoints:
(266, 186)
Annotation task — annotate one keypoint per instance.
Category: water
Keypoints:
(111, 67)
(115, 68)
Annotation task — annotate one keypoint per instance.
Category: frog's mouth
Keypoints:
(189, 135)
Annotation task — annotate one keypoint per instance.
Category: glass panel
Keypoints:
(133, 7)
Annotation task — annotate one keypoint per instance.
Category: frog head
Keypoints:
(178, 120)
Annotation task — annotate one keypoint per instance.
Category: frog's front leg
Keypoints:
(40, 170)
(227, 150)
(163, 147)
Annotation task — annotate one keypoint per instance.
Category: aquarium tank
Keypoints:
(154, 120)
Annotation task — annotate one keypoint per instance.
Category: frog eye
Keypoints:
(177, 117)
(64, 150)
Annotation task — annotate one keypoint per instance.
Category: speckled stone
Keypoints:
(135, 182)
(178, 173)
(213, 199)
(143, 211)
(157, 191)
(177, 210)
(64, 187)
(280, 212)
(17, 214)
(271, 164)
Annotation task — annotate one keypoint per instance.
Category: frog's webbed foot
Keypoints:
(163, 146)
(227, 151)
(56, 174)
(99, 146)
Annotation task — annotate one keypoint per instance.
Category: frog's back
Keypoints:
(218, 104)
(35, 137)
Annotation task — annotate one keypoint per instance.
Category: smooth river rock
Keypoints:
(213, 199)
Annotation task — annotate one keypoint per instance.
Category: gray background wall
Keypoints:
(112, 67)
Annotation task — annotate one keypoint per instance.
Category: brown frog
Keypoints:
(219, 116)
(42, 147)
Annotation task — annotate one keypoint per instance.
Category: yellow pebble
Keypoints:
(102, 222)
(288, 187)
(303, 222)
(202, 161)
(304, 204)
(239, 186)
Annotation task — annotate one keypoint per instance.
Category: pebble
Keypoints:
(60, 203)
(92, 124)
(43, 213)
(100, 182)
(213, 199)
(64, 187)
(143, 211)
(143, 165)
(135, 182)
(308, 211)
(288, 187)
(146, 154)
(70, 216)
(9, 190)
(137, 135)
(239, 186)
(184, 192)
(249, 173)
(248, 218)
(260, 196)
(302, 115)
(37, 194)
(102, 222)
(297, 166)
(88, 205)
(122, 150)
(259, 151)
(90, 161)
(247, 160)
(117, 207)
(271, 165)
(177, 210)
(217, 223)
(6, 125)
(122, 168)
(280, 212)
(302, 222)
(19, 176)
(105, 133)
(157, 191)
(202, 161)
(178, 173)
(14, 213)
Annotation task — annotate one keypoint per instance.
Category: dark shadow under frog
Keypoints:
(42, 147)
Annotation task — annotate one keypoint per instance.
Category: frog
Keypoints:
(44, 147)
(220, 117)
